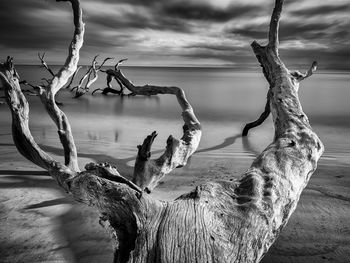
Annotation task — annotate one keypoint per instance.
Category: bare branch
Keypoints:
(147, 173)
(70, 66)
(109, 88)
(73, 76)
(260, 120)
(22, 136)
(46, 80)
(91, 76)
(119, 63)
(59, 80)
(274, 25)
(104, 61)
(300, 76)
(44, 64)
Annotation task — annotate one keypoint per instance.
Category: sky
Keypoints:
(198, 33)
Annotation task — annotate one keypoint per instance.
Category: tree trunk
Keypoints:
(221, 221)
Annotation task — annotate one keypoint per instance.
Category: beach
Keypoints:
(40, 223)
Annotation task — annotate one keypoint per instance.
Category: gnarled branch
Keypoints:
(44, 64)
(47, 95)
(270, 51)
(260, 120)
(300, 76)
(147, 172)
(91, 75)
(22, 136)
(109, 88)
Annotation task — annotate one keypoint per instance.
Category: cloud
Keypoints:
(288, 30)
(137, 19)
(206, 12)
(321, 10)
(192, 31)
(22, 25)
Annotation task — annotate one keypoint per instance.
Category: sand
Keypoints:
(40, 223)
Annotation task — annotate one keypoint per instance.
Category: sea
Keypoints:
(110, 127)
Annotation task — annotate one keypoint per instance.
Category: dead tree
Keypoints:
(109, 78)
(91, 75)
(219, 221)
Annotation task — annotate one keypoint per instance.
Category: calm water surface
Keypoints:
(110, 127)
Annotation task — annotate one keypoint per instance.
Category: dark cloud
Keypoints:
(139, 21)
(295, 58)
(252, 31)
(22, 26)
(170, 15)
(217, 47)
(335, 58)
(288, 30)
(206, 12)
(321, 10)
(189, 29)
(240, 57)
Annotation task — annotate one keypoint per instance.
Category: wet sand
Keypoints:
(40, 223)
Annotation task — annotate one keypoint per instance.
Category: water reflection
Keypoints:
(219, 96)
(116, 136)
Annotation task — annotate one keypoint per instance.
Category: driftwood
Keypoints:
(44, 64)
(109, 78)
(91, 75)
(219, 221)
(73, 77)
(34, 90)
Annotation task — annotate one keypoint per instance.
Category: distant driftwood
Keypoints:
(91, 76)
(219, 221)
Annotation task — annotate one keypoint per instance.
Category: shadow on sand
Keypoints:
(80, 223)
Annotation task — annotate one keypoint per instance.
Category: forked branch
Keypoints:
(148, 172)
(91, 75)
(22, 136)
(47, 95)
(44, 64)
(300, 76)
(264, 53)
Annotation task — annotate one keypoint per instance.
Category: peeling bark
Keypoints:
(219, 221)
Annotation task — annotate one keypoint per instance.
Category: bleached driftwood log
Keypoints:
(109, 78)
(91, 76)
(73, 77)
(219, 221)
